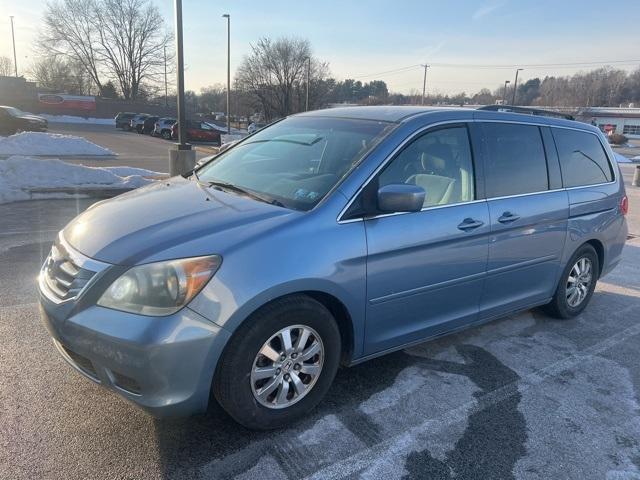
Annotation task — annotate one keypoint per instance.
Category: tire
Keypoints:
(235, 387)
(166, 134)
(561, 305)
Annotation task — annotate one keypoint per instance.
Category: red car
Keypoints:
(198, 131)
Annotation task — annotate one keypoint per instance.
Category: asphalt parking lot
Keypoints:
(525, 397)
(132, 149)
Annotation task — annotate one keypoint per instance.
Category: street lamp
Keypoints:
(515, 86)
(181, 159)
(228, 17)
(13, 37)
(504, 96)
(306, 104)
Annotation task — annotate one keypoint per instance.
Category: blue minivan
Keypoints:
(326, 239)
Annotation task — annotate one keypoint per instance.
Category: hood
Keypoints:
(170, 219)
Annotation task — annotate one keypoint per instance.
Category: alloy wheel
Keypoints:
(287, 366)
(579, 282)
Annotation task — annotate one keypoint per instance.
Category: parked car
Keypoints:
(13, 120)
(326, 239)
(162, 127)
(149, 124)
(198, 131)
(137, 122)
(123, 120)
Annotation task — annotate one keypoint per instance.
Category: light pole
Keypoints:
(181, 159)
(504, 96)
(228, 17)
(515, 86)
(166, 91)
(306, 103)
(424, 83)
(13, 37)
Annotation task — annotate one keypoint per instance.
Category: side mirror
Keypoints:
(401, 197)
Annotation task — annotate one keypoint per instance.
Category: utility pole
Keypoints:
(424, 83)
(228, 17)
(504, 95)
(515, 86)
(13, 37)
(306, 104)
(166, 91)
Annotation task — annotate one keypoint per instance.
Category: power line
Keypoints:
(407, 68)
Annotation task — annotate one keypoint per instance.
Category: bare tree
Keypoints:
(120, 40)
(6, 66)
(70, 30)
(61, 75)
(275, 70)
(132, 40)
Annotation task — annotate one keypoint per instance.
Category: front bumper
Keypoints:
(163, 364)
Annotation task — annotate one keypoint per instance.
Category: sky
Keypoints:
(469, 44)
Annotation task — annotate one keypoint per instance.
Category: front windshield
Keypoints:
(297, 161)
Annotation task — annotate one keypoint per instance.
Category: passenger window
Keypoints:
(438, 161)
(582, 158)
(515, 162)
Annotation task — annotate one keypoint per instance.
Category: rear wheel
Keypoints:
(166, 134)
(279, 365)
(577, 284)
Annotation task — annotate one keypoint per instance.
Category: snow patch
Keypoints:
(234, 137)
(19, 174)
(74, 119)
(39, 143)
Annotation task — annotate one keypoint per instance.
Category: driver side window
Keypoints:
(438, 161)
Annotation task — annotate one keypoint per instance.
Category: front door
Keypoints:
(425, 270)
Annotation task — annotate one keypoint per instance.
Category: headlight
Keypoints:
(161, 288)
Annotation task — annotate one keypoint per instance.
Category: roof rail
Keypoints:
(527, 111)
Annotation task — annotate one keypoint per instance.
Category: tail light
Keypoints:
(624, 205)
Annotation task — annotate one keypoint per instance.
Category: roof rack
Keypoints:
(527, 110)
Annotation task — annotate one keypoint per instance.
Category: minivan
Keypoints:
(326, 239)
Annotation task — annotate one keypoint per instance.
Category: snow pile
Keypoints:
(231, 138)
(39, 143)
(20, 174)
(220, 128)
(74, 119)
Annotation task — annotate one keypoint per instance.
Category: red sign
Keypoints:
(68, 102)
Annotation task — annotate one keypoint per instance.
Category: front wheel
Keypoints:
(280, 364)
(577, 283)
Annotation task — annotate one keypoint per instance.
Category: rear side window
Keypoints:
(582, 158)
(515, 161)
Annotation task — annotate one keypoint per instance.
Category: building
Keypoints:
(625, 121)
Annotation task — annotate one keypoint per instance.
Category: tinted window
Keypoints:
(515, 160)
(582, 158)
(298, 160)
(438, 161)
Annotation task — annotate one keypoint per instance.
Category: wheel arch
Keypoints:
(599, 248)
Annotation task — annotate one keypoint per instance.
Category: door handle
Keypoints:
(508, 217)
(470, 224)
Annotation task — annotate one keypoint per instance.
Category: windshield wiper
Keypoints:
(235, 188)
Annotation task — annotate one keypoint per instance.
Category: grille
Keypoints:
(62, 277)
(126, 383)
(83, 363)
